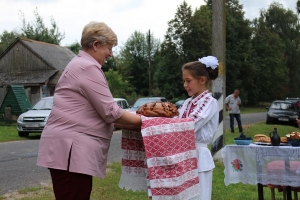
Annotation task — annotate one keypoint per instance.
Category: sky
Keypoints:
(123, 16)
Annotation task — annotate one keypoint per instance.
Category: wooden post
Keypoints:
(219, 85)
(149, 61)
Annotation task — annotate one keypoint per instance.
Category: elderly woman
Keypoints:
(76, 139)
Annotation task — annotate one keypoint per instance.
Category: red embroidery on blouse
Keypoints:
(190, 110)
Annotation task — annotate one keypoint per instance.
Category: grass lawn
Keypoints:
(10, 133)
(107, 189)
(247, 110)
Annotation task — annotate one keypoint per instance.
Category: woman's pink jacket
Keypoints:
(80, 124)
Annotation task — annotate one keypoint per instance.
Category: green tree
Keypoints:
(37, 30)
(168, 76)
(240, 70)
(286, 25)
(75, 47)
(188, 38)
(270, 60)
(111, 63)
(201, 34)
(179, 30)
(6, 38)
(133, 63)
(118, 86)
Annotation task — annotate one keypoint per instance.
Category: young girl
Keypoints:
(203, 108)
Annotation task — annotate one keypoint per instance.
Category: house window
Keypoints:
(35, 90)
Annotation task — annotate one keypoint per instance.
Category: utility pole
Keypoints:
(219, 85)
(149, 62)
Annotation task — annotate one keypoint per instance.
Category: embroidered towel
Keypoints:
(170, 159)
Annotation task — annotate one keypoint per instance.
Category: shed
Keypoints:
(15, 102)
(35, 65)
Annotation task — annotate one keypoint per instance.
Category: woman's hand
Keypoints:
(123, 126)
(129, 121)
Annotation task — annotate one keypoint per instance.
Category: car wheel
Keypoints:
(23, 134)
(268, 121)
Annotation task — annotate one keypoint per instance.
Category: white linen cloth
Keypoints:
(252, 164)
(133, 161)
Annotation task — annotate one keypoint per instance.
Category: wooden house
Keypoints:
(35, 65)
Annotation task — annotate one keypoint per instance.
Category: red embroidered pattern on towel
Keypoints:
(171, 158)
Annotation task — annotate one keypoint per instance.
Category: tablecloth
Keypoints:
(252, 164)
(170, 155)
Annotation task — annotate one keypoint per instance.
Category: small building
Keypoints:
(35, 65)
(14, 103)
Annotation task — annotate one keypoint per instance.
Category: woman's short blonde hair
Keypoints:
(97, 31)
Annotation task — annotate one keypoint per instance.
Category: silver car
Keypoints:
(122, 103)
(34, 120)
(141, 101)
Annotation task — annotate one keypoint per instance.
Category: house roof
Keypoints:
(26, 77)
(55, 56)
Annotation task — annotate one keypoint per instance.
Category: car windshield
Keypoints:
(282, 106)
(43, 104)
(141, 102)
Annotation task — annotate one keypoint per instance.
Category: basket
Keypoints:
(294, 142)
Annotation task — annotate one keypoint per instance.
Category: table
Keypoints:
(258, 164)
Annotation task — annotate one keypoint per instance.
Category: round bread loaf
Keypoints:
(158, 109)
(283, 140)
(261, 138)
(258, 136)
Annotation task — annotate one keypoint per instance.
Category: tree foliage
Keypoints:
(118, 86)
(269, 58)
(262, 55)
(75, 47)
(285, 24)
(6, 38)
(37, 30)
(134, 60)
(188, 38)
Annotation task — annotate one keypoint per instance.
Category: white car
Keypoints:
(122, 103)
(34, 120)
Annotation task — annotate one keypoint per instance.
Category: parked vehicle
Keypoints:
(179, 103)
(122, 103)
(295, 100)
(34, 120)
(141, 101)
(282, 111)
(292, 99)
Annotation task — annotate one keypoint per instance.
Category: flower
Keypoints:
(209, 61)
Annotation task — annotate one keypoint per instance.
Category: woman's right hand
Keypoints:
(130, 127)
(129, 120)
